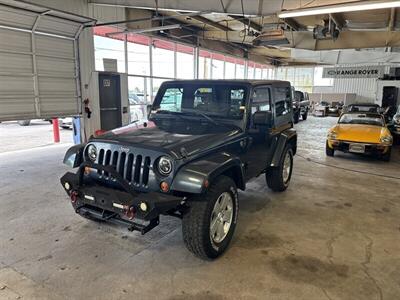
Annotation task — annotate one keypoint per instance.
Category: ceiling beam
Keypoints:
(338, 20)
(211, 23)
(228, 36)
(248, 22)
(346, 40)
(251, 7)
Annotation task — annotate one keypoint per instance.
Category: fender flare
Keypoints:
(287, 136)
(74, 156)
(191, 177)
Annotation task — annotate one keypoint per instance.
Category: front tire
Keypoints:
(209, 224)
(329, 151)
(386, 156)
(278, 178)
(304, 116)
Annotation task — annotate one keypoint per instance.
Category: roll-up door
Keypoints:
(39, 61)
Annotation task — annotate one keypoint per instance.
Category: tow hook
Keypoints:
(129, 212)
(74, 196)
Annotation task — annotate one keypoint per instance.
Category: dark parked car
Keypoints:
(301, 105)
(205, 139)
(394, 127)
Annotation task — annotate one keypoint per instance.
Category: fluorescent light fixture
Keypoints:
(338, 8)
(150, 29)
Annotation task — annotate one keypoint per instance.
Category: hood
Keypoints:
(178, 141)
(359, 133)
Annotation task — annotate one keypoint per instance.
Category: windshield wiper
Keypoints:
(198, 113)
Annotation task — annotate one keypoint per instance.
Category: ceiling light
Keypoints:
(338, 8)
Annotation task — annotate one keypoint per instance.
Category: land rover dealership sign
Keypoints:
(353, 72)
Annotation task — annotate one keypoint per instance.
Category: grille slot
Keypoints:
(138, 167)
(134, 168)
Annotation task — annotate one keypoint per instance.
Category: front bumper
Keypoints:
(122, 205)
(347, 146)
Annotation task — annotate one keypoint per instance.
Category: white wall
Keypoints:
(365, 88)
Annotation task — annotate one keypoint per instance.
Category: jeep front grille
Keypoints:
(134, 168)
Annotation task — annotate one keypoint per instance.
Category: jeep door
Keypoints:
(282, 107)
(257, 156)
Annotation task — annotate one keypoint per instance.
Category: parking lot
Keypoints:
(38, 134)
(329, 236)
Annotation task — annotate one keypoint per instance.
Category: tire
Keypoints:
(197, 222)
(275, 177)
(24, 122)
(386, 156)
(328, 150)
(296, 117)
(304, 116)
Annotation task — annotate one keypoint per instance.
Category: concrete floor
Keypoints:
(38, 134)
(334, 234)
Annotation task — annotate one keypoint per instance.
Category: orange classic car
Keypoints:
(357, 132)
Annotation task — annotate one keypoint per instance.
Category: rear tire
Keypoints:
(329, 151)
(24, 122)
(304, 116)
(198, 223)
(278, 178)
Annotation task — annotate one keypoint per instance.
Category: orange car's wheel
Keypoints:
(329, 151)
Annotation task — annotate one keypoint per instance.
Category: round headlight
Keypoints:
(92, 152)
(332, 135)
(165, 165)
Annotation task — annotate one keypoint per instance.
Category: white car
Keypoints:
(65, 123)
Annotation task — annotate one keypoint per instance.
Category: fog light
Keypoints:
(67, 186)
(129, 212)
(143, 206)
(164, 186)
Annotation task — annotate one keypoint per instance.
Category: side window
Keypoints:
(261, 100)
(283, 101)
(172, 99)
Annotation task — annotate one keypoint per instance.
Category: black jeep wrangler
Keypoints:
(204, 140)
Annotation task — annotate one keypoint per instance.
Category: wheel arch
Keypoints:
(191, 177)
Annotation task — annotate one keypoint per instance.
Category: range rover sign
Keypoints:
(353, 72)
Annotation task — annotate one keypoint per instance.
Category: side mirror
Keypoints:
(263, 118)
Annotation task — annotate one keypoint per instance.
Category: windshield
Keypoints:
(368, 119)
(207, 100)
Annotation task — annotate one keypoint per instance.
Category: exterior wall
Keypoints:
(366, 89)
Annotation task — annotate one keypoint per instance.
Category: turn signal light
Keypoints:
(164, 186)
(129, 212)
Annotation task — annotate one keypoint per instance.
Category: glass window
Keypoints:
(261, 100)
(138, 59)
(281, 74)
(229, 70)
(163, 59)
(318, 80)
(109, 48)
(258, 73)
(239, 71)
(156, 86)
(215, 100)
(217, 68)
(184, 62)
(172, 99)
(139, 97)
(204, 68)
(282, 101)
(250, 72)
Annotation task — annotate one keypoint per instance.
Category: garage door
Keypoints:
(39, 64)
